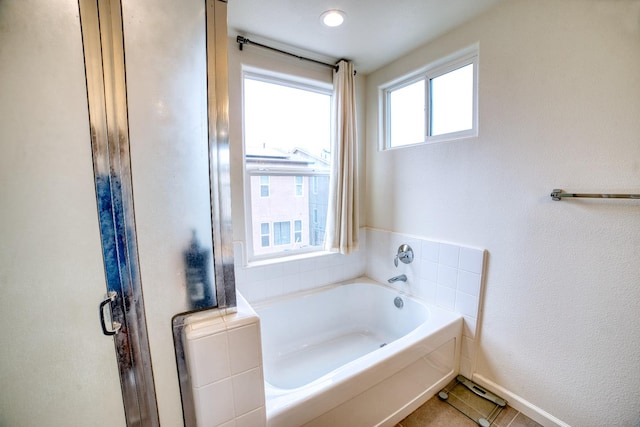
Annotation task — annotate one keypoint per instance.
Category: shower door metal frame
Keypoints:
(103, 45)
(219, 161)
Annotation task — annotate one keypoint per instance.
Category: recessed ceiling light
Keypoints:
(333, 18)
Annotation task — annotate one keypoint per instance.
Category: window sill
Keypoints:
(288, 258)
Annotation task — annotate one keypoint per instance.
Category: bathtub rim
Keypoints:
(257, 305)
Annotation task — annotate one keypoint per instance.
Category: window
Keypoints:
(406, 114)
(452, 101)
(299, 181)
(297, 230)
(287, 127)
(264, 186)
(264, 234)
(282, 233)
(437, 103)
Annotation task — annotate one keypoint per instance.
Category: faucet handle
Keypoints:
(405, 254)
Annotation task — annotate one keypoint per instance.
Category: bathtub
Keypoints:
(354, 354)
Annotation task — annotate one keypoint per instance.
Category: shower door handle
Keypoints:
(114, 327)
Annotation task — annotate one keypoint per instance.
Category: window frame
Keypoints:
(296, 82)
(443, 66)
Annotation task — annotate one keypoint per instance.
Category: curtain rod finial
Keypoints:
(241, 41)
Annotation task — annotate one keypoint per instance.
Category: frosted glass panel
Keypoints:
(167, 90)
(452, 101)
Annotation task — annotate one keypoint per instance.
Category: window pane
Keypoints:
(299, 181)
(264, 231)
(264, 186)
(297, 227)
(276, 116)
(452, 101)
(287, 142)
(407, 114)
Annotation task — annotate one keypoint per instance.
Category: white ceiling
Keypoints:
(375, 33)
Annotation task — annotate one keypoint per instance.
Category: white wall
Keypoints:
(559, 104)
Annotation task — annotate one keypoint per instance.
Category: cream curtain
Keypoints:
(341, 234)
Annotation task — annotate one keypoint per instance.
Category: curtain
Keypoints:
(341, 233)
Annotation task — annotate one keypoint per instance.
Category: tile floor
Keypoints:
(436, 413)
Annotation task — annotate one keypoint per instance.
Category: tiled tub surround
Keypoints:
(264, 280)
(442, 274)
(346, 355)
(446, 275)
(224, 360)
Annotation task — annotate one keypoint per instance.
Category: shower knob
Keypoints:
(405, 254)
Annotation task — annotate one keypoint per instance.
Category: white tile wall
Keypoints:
(244, 357)
(224, 359)
(251, 419)
(444, 274)
(259, 281)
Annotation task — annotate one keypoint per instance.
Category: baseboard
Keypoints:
(520, 404)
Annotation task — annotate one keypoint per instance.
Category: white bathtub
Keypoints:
(345, 355)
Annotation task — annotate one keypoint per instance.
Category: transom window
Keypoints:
(436, 103)
(287, 126)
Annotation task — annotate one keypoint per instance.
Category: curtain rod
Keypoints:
(243, 40)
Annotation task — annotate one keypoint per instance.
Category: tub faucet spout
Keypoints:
(401, 278)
